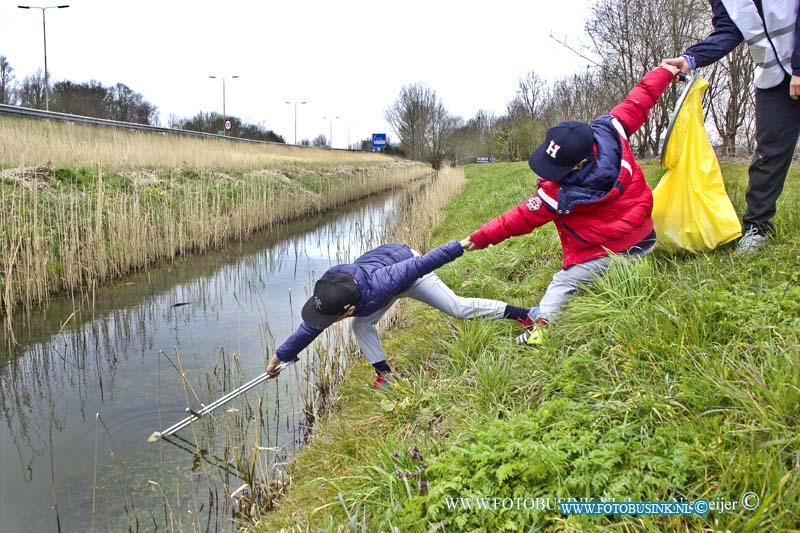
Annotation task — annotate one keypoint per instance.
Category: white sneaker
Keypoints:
(752, 241)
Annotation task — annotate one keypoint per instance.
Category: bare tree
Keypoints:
(582, 96)
(127, 105)
(410, 118)
(31, 92)
(6, 82)
(421, 122)
(531, 95)
(473, 138)
(631, 37)
(442, 128)
(730, 96)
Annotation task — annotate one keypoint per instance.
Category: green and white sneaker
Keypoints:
(532, 337)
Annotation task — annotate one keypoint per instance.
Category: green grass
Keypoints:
(672, 378)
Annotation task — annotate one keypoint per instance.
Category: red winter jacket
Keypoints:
(609, 208)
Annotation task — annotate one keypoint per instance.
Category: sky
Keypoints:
(347, 59)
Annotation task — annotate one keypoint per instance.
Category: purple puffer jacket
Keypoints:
(381, 274)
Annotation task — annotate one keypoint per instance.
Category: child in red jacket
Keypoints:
(593, 190)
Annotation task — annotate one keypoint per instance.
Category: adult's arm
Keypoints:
(794, 84)
(519, 220)
(635, 109)
(724, 38)
(796, 53)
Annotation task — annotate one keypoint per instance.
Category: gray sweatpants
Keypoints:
(568, 281)
(431, 290)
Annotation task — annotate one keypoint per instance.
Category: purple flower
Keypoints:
(395, 455)
(414, 453)
(423, 488)
(400, 475)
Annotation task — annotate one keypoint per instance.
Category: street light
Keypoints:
(295, 118)
(44, 32)
(224, 115)
(330, 121)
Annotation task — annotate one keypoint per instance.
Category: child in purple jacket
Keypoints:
(368, 287)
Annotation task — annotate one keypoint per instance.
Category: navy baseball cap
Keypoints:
(565, 145)
(334, 293)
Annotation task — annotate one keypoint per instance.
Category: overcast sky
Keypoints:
(347, 59)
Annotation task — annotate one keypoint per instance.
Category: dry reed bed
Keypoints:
(66, 238)
(63, 238)
(29, 142)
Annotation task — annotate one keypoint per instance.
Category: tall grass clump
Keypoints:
(672, 378)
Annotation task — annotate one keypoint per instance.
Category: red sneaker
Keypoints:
(526, 322)
(381, 381)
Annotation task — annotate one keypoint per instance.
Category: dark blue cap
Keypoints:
(334, 293)
(565, 145)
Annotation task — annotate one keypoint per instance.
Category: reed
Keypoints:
(30, 142)
(70, 237)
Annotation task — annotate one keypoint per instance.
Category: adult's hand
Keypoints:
(468, 245)
(272, 365)
(680, 62)
(794, 87)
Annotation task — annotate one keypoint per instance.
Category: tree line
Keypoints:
(624, 39)
(117, 102)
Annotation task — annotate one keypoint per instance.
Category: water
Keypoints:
(93, 377)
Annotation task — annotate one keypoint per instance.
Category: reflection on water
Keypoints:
(91, 380)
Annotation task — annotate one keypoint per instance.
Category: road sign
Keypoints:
(378, 142)
(485, 159)
(228, 124)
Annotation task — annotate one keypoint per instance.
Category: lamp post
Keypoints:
(224, 114)
(44, 33)
(330, 130)
(295, 118)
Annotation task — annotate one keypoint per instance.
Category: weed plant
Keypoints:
(672, 378)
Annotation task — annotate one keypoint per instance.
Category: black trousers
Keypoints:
(777, 129)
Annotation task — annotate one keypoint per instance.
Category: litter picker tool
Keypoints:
(200, 413)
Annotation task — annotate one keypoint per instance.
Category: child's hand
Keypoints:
(271, 367)
(468, 245)
(670, 66)
(680, 62)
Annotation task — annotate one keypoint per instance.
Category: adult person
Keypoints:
(772, 32)
(368, 287)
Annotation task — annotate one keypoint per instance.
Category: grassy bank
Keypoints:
(112, 201)
(675, 378)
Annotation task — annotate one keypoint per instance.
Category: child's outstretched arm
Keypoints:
(520, 220)
(291, 347)
(402, 274)
(633, 112)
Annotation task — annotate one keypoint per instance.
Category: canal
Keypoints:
(94, 375)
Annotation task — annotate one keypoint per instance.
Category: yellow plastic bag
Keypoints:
(691, 210)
